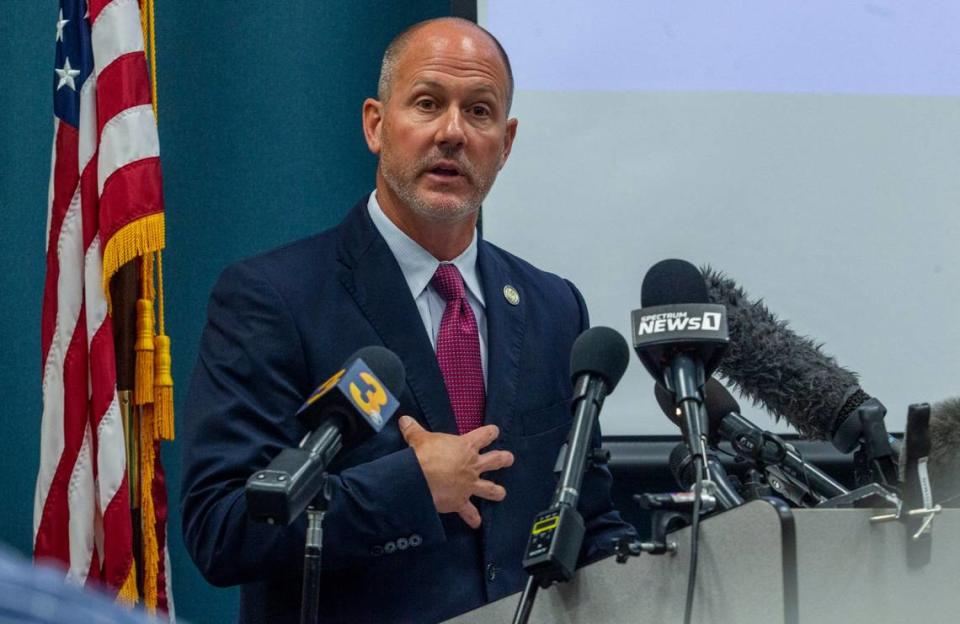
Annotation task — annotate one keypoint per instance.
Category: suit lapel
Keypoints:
(373, 278)
(505, 326)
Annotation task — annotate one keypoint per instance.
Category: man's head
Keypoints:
(440, 125)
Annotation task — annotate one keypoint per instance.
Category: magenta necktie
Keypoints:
(458, 350)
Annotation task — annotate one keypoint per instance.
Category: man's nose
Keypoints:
(450, 133)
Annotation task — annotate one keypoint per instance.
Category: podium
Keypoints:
(766, 564)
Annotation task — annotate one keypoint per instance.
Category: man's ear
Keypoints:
(508, 138)
(372, 122)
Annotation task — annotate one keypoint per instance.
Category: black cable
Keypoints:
(694, 538)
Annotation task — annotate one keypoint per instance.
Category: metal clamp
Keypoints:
(928, 514)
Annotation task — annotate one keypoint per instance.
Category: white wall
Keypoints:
(839, 207)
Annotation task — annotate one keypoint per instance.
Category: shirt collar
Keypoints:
(416, 263)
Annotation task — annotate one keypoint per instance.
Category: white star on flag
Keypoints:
(60, 24)
(67, 74)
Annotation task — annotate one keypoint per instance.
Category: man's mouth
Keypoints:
(447, 170)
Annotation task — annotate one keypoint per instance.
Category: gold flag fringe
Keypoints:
(138, 238)
(128, 591)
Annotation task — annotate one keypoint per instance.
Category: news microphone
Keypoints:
(349, 407)
(597, 362)
(680, 337)
(682, 468)
(796, 381)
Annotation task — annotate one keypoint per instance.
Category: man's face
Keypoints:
(443, 134)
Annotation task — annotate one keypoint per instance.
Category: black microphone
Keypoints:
(597, 362)
(349, 407)
(680, 337)
(763, 447)
(684, 473)
(795, 380)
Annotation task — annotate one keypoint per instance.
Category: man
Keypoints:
(429, 518)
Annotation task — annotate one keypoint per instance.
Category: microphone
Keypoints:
(349, 407)
(763, 447)
(597, 362)
(944, 461)
(684, 473)
(795, 380)
(680, 337)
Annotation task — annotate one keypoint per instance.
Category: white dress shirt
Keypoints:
(418, 266)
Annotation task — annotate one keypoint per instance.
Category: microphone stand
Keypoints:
(686, 380)
(312, 556)
(557, 533)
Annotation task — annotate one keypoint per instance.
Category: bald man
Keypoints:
(429, 518)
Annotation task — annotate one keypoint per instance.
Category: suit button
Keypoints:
(402, 543)
(415, 540)
(377, 550)
(491, 572)
(390, 548)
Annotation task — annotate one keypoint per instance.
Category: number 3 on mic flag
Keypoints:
(368, 394)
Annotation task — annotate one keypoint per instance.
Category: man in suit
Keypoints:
(428, 518)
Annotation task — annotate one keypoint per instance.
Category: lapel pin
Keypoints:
(511, 295)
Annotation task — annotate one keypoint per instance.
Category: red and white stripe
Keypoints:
(81, 508)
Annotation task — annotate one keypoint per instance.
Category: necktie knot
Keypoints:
(448, 282)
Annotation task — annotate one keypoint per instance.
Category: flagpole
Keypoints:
(124, 292)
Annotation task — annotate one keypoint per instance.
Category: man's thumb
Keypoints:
(408, 427)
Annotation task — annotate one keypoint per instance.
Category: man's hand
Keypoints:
(452, 465)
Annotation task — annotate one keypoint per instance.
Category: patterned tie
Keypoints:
(458, 350)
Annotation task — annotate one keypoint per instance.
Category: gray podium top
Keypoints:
(847, 570)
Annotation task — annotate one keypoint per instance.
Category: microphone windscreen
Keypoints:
(671, 282)
(772, 365)
(600, 351)
(681, 465)
(944, 464)
(718, 402)
(384, 364)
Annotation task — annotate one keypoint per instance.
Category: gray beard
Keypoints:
(447, 212)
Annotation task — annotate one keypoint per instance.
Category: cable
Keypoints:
(694, 537)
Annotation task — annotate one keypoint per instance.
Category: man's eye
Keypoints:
(480, 111)
(427, 105)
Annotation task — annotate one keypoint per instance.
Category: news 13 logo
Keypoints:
(368, 394)
(358, 386)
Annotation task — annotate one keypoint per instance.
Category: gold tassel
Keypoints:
(148, 525)
(143, 388)
(143, 379)
(163, 381)
(128, 591)
(163, 389)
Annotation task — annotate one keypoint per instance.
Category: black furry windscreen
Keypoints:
(945, 452)
(773, 366)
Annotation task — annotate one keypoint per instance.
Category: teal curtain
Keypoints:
(260, 140)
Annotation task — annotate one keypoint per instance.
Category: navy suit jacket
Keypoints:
(281, 323)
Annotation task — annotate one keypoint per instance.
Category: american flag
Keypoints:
(105, 175)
